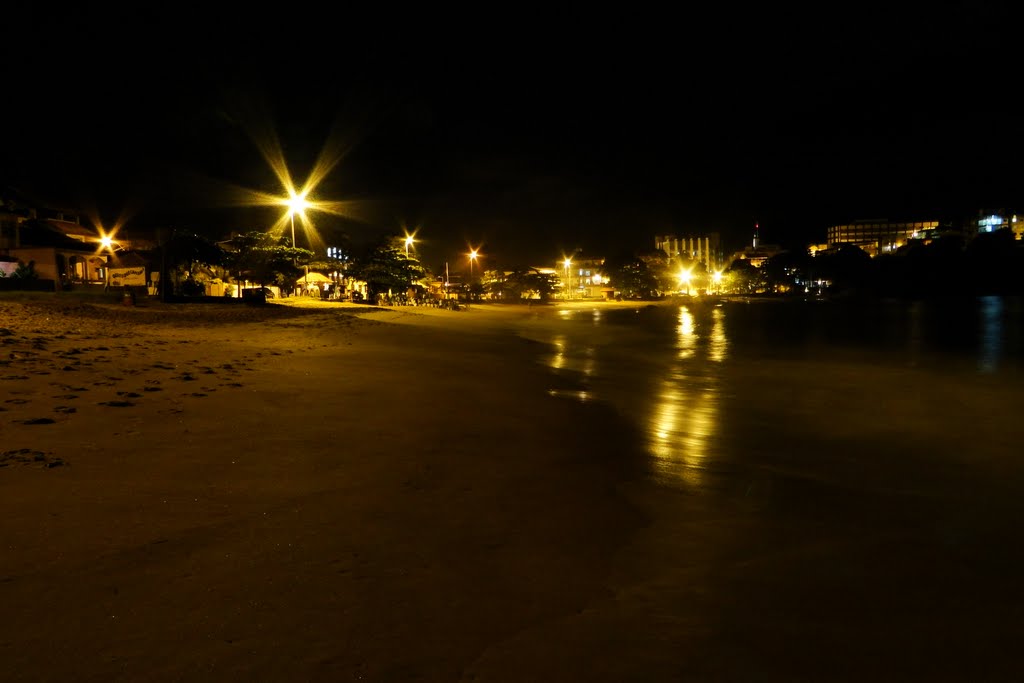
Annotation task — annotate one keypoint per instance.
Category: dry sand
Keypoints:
(285, 493)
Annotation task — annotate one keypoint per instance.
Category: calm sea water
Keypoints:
(834, 490)
(714, 386)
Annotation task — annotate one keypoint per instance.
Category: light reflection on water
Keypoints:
(665, 367)
(990, 315)
(684, 416)
(670, 386)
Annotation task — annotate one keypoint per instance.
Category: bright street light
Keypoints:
(472, 259)
(296, 204)
(684, 279)
(408, 243)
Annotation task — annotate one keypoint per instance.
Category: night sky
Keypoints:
(524, 131)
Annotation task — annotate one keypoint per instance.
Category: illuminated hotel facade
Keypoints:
(705, 249)
(879, 236)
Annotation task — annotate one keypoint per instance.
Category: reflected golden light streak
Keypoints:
(684, 419)
(686, 340)
(666, 426)
(683, 424)
(719, 347)
(589, 362)
(558, 360)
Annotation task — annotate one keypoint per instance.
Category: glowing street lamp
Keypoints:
(472, 260)
(717, 277)
(408, 243)
(684, 279)
(296, 204)
(296, 199)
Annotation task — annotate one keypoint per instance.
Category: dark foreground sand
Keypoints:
(270, 493)
(278, 493)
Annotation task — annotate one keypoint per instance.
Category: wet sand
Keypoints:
(328, 493)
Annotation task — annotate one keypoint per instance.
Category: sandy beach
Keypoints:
(224, 492)
(321, 492)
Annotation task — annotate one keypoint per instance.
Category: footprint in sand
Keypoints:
(27, 456)
(129, 394)
(67, 410)
(152, 388)
(14, 377)
(37, 421)
(66, 397)
(195, 395)
(117, 404)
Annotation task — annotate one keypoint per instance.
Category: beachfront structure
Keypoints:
(582, 277)
(61, 251)
(879, 236)
(705, 249)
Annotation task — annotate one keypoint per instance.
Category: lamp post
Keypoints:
(568, 282)
(408, 243)
(296, 204)
(472, 260)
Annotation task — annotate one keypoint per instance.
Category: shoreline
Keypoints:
(334, 493)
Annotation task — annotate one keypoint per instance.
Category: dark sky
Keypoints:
(525, 131)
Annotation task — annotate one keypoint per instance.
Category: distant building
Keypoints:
(756, 254)
(705, 249)
(582, 277)
(999, 219)
(879, 236)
